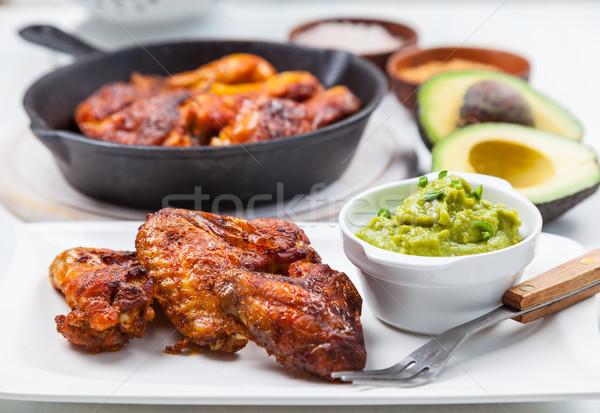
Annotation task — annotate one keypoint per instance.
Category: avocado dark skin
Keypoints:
(490, 101)
(553, 209)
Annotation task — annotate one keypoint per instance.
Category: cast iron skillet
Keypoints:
(152, 177)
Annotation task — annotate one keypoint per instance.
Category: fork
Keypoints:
(535, 298)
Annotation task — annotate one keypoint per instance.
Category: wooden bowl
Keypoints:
(407, 34)
(406, 91)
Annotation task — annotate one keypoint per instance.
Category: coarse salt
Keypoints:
(357, 38)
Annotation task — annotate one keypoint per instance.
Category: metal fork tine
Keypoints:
(419, 367)
(406, 374)
(395, 369)
(421, 378)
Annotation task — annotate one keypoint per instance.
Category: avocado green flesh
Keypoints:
(445, 226)
(440, 99)
(552, 171)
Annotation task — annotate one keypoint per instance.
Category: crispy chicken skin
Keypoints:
(224, 280)
(186, 251)
(234, 68)
(219, 104)
(144, 122)
(109, 294)
(309, 319)
(296, 85)
(113, 97)
(330, 106)
(264, 119)
(201, 118)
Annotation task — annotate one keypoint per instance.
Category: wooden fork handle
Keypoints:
(570, 276)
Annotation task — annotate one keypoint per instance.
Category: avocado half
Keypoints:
(440, 100)
(553, 172)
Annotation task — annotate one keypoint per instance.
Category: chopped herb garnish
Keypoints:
(477, 192)
(442, 174)
(423, 181)
(384, 212)
(487, 231)
(456, 183)
(431, 195)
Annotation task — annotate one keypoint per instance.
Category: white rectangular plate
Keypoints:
(556, 358)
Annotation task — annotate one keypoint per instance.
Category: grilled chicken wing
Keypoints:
(234, 68)
(296, 85)
(113, 97)
(109, 294)
(223, 280)
(330, 106)
(201, 118)
(309, 318)
(264, 119)
(236, 99)
(185, 252)
(144, 122)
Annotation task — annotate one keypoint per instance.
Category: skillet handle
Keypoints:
(55, 39)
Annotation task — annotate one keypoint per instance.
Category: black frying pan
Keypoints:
(153, 177)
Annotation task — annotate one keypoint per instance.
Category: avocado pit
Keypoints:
(491, 101)
(457, 100)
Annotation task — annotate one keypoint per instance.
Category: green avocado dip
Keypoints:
(444, 218)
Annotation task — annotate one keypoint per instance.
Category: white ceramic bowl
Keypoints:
(428, 295)
(147, 12)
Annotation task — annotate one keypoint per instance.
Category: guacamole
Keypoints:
(445, 217)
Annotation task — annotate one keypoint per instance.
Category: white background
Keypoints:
(559, 38)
